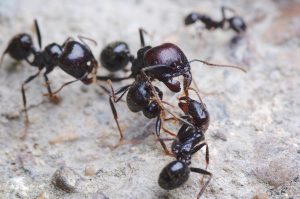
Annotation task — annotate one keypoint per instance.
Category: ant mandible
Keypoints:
(189, 140)
(236, 23)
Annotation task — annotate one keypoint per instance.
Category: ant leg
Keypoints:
(67, 40)
(169, 132)
(70, 82)
(30, 78)
(53, 98)
(82, 38)
(204, 172)
(112, 100)
(161, 141)
(113, 79)
(198, 147)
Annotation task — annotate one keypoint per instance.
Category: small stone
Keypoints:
(261, 196)
(12, 115)
(42, 195)
(89, 171)
(66, 179)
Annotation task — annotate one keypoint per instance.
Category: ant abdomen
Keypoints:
(152, 110)
(173, 175)
(77, 60)
(138, 96)
(20, 47)
(115, 56)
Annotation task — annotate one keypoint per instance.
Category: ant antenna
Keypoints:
(142, 31)
(219, 65)
(38, 33)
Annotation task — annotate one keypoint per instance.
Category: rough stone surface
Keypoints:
(254, 136)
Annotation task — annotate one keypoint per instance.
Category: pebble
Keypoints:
(66, 179)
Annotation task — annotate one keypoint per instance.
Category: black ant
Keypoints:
(189, 140)
(236, 23)
(73, 57)
(163, 62)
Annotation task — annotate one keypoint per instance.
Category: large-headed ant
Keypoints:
(73, 57)
(236, 23)
(163, 63)
(189, 140)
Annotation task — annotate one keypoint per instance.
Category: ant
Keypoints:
(163, 62)
(189, 140)
(73, 57)
(236, 23)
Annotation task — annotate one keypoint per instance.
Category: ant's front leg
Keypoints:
(53, 98)
(29, 79)
(113, 99)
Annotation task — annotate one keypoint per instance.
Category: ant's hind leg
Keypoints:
(200, 146)
(204, 172)
(113, 99)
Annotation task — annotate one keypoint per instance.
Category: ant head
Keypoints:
(174, 175)
(115, 56)
(237, 24)
(167, 54)
(191, 18)
(20, 46)
(53, 53)
(197, 111)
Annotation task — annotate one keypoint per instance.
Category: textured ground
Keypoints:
(253, 136)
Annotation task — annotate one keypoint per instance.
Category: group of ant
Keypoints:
(162, 63)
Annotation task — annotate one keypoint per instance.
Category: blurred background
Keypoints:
(253, 136)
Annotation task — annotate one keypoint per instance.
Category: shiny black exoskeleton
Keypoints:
(20, 47)
(140, 97)
(163, 62)
(189, 140)
(235, 23)
(73, 57)
(196, 112)
(115, 56)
